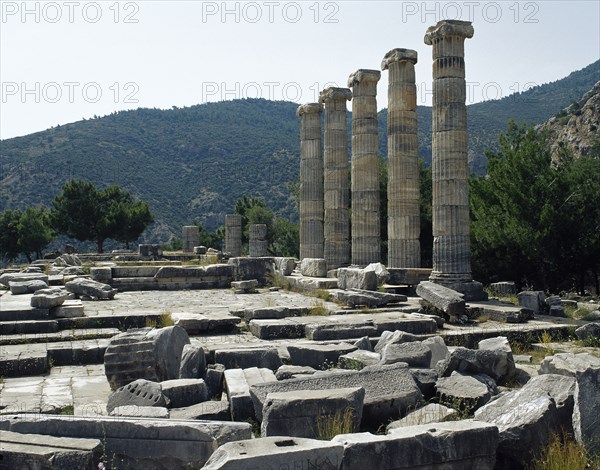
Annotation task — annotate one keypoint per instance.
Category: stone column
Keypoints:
(311, 181)
(233, 234)
(257, 240)
(365, 168)
(451, 227)
(404, 224)
(336, 181)
(190, 238)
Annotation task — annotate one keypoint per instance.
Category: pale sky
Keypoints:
(64, 61)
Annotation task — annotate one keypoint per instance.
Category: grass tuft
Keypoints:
(329, 426)
(563, 453)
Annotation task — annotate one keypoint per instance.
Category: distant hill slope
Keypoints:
(192, 163)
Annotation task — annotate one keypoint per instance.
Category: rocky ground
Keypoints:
(214, 378)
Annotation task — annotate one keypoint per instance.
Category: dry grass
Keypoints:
(329, 426)
(562, 453)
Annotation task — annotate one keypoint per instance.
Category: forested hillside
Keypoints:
(192, 163)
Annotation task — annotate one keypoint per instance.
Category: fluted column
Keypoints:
(336, 225)
(365, 168)
(451, 230)
(404, 224)
(233, 234)
(311, 181)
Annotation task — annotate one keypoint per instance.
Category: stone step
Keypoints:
(74, 353)
(501, 312)
(18, 307)
(37, 451)
(54, 337)
(28, 327)
(22, 362)
(341, 326)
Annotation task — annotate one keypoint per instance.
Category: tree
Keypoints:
(282, 235)
(9, 234)
(84, 212)
(35, 232)
(535, 220)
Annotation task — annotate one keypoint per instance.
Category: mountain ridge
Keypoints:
(192, 163)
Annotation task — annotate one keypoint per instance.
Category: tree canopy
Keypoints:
(534, 220)
(85, 212)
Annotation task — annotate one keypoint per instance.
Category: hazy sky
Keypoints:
(67, 60)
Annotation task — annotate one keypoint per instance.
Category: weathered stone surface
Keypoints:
(568, 363)
(425, 380)
(35, 451)
(369, 298)
(286, 372)
(335, 178)
(467, 392)
(359, 359)
(318, 356)
(89, 288)
(184, 392)
(267, 358)
(276, 329)
(356, 278)
(252, 268)
(533, 300)
(365, 218)
(447, 300)
(67, 259)
(364, 343)
(208, 410)
(136, 443)
(504, 288)
(6, 278)
(49, 298)
(454, 445)
(26, 287)
(415, 354)
(73, 271)
(305, 413)
(528, 417)
(285, 266)
(493, 363)
(501, 345)
(592, 316)
(137, 411)
(394, 337)
(586, 421)
(197, 323)
(193, 362)
(276, 453)
(346, 330)
(68, 309)
(588, 331)
(313, 267)
(248, 286)
(390, 391)
(432, 413)
(237, 385)
(139, 392)
(380, 271)
(214, 379)
(438, 348)
(151, 354)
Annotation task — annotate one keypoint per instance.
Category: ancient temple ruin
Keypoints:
(323, 200)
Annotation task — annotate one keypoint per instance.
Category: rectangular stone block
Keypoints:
(277, 453)
(390, 391)
(20, 451)
(138, 443)
(454, 445)
(237, 385)
(447, 300)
